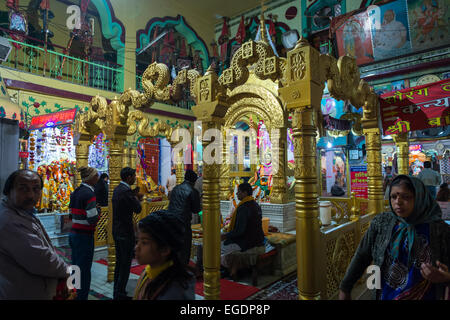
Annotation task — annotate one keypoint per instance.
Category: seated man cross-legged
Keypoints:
(245, 232)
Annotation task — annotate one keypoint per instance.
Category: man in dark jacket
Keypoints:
(125, 201)
(245, 230)
(185, 200)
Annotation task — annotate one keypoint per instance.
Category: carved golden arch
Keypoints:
(255, 99)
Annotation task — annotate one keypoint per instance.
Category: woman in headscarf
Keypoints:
(160, 238)
(411, 245)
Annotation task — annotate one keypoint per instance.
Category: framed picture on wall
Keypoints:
(390, 30)
(353, 37)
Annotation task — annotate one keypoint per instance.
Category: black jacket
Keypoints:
(124, 203)
(101, 193)
(184, 200)
(247, 232)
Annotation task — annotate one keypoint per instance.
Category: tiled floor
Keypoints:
(100, 284)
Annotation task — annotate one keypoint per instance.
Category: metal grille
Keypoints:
(337, 265)
(364, 228)
(150, 207)
(332, 285)
(101, 232)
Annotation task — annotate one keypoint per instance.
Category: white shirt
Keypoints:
(86, 185)
(123, 182)
(171, 182)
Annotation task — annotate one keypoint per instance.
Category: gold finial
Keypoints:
(302, 42)
(263, 25)
(209, 70)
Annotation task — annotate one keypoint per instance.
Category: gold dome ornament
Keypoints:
(355, 118)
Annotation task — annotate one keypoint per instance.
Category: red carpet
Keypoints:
(229, 290)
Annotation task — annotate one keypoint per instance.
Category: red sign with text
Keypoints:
(358, 178)
(416, 108)
(53, 119)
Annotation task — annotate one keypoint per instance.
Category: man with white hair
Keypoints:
(30, 267)
(391, 37)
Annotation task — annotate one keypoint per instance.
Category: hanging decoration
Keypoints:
(17, 23)
(223, 40)
(99, 154)
(240, 35)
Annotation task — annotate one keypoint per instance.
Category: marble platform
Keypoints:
(281, 216)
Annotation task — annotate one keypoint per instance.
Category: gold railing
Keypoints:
(101, 232)
(337, 246)
(149, 207)
(341, 208)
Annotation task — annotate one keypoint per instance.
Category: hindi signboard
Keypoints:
(60, 118)
(358, 178)
(416, 108)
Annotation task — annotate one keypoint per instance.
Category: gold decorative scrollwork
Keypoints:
(260, 54)
(343, 81)
(342, 255)
(298, 66)
(159, 128)
(357, 129)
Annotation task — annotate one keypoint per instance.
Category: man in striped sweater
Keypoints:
(84, 220)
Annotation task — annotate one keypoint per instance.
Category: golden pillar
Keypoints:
(132, 156)
(374, 176)
(302, 94)
(225, 168)
(116, 155)
(211, 112)
(179, 165)
(279, 190)
(177, 159)
(82, 154)
(211, 224)
(402, 144)
(126, 157)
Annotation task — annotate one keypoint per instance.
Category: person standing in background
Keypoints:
(443, 198)
(183, 202)
(430, 178)
(84, 214)
(389, 175)
(171, 182)
(125, 202)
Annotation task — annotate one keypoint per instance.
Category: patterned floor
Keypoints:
(272, 288)
(284, 289)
